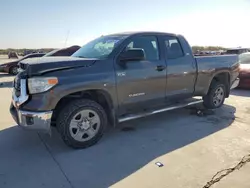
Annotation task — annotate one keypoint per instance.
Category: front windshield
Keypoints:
(99, 48)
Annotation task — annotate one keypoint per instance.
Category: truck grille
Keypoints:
(17, 86)
(19, 94)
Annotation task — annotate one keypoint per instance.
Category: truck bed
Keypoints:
(204, 62)
(207, 66)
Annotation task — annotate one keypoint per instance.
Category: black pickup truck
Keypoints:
(116, 78)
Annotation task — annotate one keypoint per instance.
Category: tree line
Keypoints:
(45, 50)
(22, 51)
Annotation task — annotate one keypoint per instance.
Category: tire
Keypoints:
(75, 136)
(13, 70)
(217, 91)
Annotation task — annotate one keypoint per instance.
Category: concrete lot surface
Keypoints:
(4, 59)
(192, 150)
(240, 178)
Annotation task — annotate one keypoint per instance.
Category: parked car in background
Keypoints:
(12, 55)
(116, 78)
(27, 52)
(244, 71)
(12, 67)
(207, 53)
(64, 51)
(236, 51)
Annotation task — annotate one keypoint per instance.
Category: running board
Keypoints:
(173, 107)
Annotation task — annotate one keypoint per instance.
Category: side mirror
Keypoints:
(135, 54)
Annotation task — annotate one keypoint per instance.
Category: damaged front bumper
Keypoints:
(38, 121)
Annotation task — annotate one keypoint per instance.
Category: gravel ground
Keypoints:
(192, 150)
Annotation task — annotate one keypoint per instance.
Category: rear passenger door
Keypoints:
(181, 70)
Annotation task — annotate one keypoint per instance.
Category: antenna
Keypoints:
(67, 36)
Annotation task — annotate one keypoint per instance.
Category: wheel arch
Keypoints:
(223, 77)
(100, 96)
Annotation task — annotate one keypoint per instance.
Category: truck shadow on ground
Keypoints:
(5, 75)
(119, 154)
(241, 92)
(7, 84)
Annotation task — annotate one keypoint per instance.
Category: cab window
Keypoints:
(148, 44)
(173, 48)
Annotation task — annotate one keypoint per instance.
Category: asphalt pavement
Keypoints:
(190, 149)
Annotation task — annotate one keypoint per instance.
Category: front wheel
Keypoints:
(216, 96)
(14, 70)
(82, 123)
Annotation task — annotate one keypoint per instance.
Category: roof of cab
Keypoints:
(140, 33)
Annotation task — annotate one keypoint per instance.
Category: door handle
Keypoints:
(160, 67)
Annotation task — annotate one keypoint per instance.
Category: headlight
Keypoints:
(40, 84)
(3, 65)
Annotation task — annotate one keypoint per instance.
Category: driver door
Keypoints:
(141, 84)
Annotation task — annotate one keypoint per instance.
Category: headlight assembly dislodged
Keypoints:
(41, 84)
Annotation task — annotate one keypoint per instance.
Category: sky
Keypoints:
(61, 23)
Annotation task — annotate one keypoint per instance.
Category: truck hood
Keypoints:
(38, 66)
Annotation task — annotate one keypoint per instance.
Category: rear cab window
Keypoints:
(173, 47)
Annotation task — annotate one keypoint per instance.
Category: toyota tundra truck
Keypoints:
(116, 78)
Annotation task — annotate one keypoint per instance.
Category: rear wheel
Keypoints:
(216, 96)
(82, 123)
(14, 70)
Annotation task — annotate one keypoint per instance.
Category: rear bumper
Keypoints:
(37, 121)
(235, 83)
